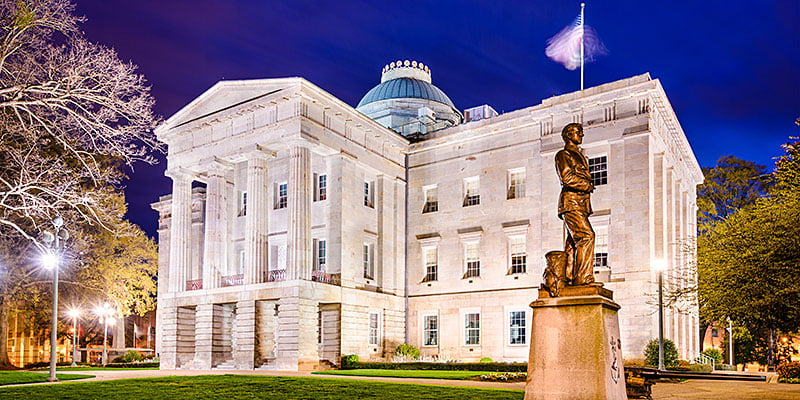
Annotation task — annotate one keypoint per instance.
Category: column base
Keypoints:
(575, 348)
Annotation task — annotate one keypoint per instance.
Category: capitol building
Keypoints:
(301, 229)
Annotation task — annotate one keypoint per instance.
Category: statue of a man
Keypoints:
(574, 206)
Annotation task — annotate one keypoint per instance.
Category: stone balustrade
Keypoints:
(324, 277)
(195, 284)
(233, 280)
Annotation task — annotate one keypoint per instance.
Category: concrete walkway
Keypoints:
(691, 389)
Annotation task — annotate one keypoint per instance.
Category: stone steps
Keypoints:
(226, 365)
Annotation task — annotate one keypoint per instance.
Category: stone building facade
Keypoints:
(299, 229)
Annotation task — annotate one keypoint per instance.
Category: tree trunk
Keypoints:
(702, 336)
(5, 363)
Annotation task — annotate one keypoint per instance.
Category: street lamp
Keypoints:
(660, 265)
(51, 260)
(105, 312)
(74, 313)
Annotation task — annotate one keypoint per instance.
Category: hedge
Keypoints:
(133, 365)
(789, 372)
(450, 366)
(691, 368)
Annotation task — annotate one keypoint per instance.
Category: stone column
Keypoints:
(299, 212)
(256, 224)
(204, 336)
(180, 230)
(244, 350)
(168, 338)
(214, 242)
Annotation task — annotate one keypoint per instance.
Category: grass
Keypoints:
(13, 377)
(251, 387)
(65, 369)
(407, 373)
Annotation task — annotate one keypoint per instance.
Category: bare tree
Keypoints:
(71, 115)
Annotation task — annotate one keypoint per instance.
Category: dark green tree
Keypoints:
(670, 353)
(728, 187)
(748, 263)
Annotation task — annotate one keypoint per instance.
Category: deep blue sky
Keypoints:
(731, 69)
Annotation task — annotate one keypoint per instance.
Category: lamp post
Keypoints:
(105, 312)
(660, 265)
(730, 342)
(51, 260)
(74, 313)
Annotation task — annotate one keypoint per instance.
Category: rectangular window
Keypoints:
(321, 183)
(516, 183)
(516, 324)
(368, 194)
(472, 329)
(282, 198)
(431, 264)
(368, 261)
(243, 204)
(373, 329)
(319, 254)
(472, 259)
(714, 332)
(241, 261)
(472, 194)
(518, 254)
(430, 330)
(431, 199)
(601, 248)
(598, 167)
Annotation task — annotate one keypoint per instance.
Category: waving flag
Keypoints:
(565, 47)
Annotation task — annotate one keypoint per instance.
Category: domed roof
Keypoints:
(405, 88)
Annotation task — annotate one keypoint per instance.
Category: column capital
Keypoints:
(258, 152)
(175, 173)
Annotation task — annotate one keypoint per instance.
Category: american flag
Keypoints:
(565, 47)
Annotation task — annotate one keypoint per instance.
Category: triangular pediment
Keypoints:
(226, 94)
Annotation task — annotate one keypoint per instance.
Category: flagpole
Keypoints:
(582, 36)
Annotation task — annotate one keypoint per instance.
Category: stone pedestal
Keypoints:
(575, 346)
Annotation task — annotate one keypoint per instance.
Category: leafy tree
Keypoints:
(748, 262)
(670, 353)
(715, 355)
(728, 187)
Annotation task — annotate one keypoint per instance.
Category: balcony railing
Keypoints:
(233, 280)
(275, 275)
(324, 277)
(196, 284)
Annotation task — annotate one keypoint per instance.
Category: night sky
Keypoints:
(731, 69)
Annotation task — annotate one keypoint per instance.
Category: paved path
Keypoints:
(691, 389)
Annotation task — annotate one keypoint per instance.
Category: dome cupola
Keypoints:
(408, 102)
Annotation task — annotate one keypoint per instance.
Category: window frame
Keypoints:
(430, 276)
(426, 330)
(377, 329)
(320, 187)
(369, 193)
(368, 261)
(515, 191)
(282, 200)
(472, 271)
(430, 206)
(512, 254)
(320, 254)
(467, 329)
(598, 169)
(511, 327)
(468, 198)
(242, 203)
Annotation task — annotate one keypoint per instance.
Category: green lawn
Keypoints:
(406, 373)
(67, 369)
(12, 377)
(251, 387)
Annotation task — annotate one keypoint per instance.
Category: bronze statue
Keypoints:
(574, 265)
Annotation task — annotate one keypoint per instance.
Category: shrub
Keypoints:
(724, 367)
(715, 354)
(670, 353)
(349, 361)
(408, 351)
(505, 377)
(704, 368)
(133, 365)
(788, 372)
(448, 366)
(485, 360)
